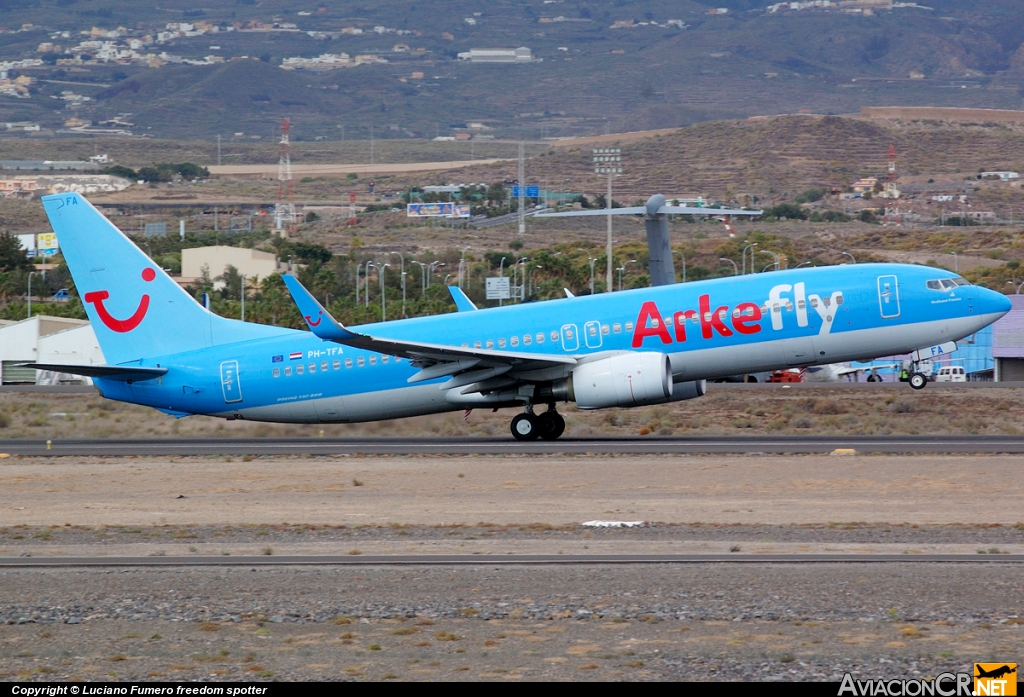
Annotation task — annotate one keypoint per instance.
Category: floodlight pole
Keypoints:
(608, 161)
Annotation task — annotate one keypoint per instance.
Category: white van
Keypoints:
(951, 373)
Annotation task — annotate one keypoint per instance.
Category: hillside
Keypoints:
(606, 65)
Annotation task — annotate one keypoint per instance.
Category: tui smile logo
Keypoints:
(319, 319)
(97, 297)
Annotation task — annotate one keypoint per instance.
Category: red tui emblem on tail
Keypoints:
(97, 297)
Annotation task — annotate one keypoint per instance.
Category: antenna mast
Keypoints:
(284, 210)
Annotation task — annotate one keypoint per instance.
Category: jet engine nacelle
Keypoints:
(626, 380)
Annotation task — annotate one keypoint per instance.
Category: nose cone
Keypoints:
(992, 303)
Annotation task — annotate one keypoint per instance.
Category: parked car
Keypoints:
(951, 373)
(62, 294)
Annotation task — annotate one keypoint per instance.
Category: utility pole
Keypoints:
(608, 161)
(218, 150)
(522, 192)
(371, 143)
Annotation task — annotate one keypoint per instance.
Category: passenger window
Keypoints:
(337, 365)
(384, 359)
(277, 372)
(527, 339)
(814, 302)
(360, 361)
(605, 329)
(655, 322)
(398, 359)
(323, 367)
(373, 360)
(476, 344)
(735, 313)
(312, 368)
(287, 370)
(592, 331)
(465, 345)
(298, 369)
(501, 343)
(707, 316)
(490, 344)
(554, 336)
(348, 362)
(789, 306)
(540, 337)
(617, 328)
(629, 326)
(514, 341)
(568, 335)
(721, 314)
(839, 299)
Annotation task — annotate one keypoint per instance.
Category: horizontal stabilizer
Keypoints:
(123, 373)
(462, 301)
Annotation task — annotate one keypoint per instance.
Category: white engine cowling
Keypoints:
(626, 380)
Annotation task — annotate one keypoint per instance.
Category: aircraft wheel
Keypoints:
(918, 381)
(873, 378)
(550, 425)
(525, 427)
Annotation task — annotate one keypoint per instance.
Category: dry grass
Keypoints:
(881, 410)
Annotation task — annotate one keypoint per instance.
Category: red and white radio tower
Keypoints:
(892, 194)
(284, 211)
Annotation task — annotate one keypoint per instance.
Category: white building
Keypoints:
(249, 262)
(45, 339)
(1005, 176)
(498, 55)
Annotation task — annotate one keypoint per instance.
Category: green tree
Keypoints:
(12, 256)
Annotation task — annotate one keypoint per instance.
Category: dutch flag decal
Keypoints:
(296, 356)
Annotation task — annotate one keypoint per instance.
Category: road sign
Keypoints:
(531, 192)
(498, 288)
(47, 244)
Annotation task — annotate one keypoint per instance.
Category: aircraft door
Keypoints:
(888, 297)
(592, 334)
(570, 338)
(229, 383)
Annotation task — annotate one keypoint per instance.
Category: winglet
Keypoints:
(461, 300)
(317, 318)
(569, 293)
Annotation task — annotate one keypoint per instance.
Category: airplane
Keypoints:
(637, 347)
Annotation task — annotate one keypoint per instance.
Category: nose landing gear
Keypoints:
(529, 426)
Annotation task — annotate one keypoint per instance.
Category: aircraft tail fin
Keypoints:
(462, 301)
(135, 308)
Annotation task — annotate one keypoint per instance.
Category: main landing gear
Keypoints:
(529, 426)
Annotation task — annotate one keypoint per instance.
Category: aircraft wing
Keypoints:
(471, 365)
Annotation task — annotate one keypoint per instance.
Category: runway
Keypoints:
(504, 560)
(650, 445)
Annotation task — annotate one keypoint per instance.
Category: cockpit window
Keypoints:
(947, 283)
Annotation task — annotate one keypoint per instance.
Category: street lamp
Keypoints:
(591, 260)
(802, 263)
(775, 257)
(753, 244)
(501, 274)
(956, 263)
(735, 269)
(623, 268)
(366, 300)
(607, 161)
(851, 257)
(464, 268)
(380, 276)
(423, 275)
(433, 267)
(402, 257)
(529, 278)
(683, 257)
(30, 275)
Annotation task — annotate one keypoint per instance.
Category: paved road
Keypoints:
(500, 446)
(508, 560)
